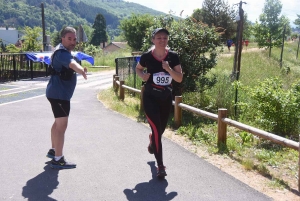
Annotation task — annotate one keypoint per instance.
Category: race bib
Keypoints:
(162, 79)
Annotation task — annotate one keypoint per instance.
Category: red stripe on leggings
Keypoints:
(155, 132)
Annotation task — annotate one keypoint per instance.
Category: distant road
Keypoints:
(26, 89)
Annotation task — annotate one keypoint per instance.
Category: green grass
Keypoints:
(107, 60)
(130, 106)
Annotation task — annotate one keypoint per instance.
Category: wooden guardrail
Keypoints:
(221, 118)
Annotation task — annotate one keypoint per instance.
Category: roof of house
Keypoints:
(122, 45)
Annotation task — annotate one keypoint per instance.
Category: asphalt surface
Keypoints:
(110, 151)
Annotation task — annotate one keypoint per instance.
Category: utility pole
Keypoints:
(43, 26)
(238, 49)
(298, 47)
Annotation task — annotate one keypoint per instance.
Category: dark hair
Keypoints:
(67, 30)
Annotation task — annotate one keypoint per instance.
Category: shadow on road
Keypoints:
(155, 189)
(40, 187)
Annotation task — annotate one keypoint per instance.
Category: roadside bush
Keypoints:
(274, 108)
(92, 50)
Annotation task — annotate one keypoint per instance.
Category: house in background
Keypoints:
(114, 46)
(9, 35)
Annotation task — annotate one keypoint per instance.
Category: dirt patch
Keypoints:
(231, 53)
(235, 169)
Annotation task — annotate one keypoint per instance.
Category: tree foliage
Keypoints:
(196, 45)
(2, 47)
(55, 37)
(198, 14)
(285, 22)
(218, 13)
(99, 34)
(297, 21)
(276, 108)
(268, 32)
(247, 28)
(12, 48)
(32, 39)
(134, 29)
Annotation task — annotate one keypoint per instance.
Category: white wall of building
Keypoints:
(9, 36)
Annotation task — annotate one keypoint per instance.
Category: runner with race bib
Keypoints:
(162, 66)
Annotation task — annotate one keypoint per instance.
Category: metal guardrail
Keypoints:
(125, 68)
(15, 66)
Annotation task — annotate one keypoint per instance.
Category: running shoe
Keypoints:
(51, 153)
(150, 146)
(62, 164)
(161, 172)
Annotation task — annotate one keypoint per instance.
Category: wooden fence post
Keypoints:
(222, 127)
(299, 164)
(141, 103)
(15, 68)
(114, 81)
(122, 90)
(117, 86)
(178, 111)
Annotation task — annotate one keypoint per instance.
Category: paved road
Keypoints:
(110, 151)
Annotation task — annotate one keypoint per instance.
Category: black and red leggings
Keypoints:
(157, 112)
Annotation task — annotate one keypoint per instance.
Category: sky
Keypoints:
(253, 8)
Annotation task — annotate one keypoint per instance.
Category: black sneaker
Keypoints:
(150, 146)
(161, 172)
(51, 153)
(62, 164)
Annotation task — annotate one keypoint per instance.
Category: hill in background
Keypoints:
(20, 13)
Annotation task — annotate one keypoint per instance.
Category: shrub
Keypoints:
(276, 109)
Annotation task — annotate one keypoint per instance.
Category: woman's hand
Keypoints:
(165, 66)
(145, 76)
(176, 72)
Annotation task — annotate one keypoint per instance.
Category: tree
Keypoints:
(32, 39)
(12, 48)
(217, 13)
(134, 29)
(285, 22)
(88, 30)
(99, 34)
(268, 32)
(198, 15)
(55, 38)
(247, 28)
(2, 47)
(297, 21)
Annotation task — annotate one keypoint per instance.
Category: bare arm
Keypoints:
(140, 72)
(176, 72)
(78, 68)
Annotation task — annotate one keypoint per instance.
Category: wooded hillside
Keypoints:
(20, 13)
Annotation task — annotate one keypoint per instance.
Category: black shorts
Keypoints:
(60, 108)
